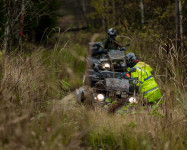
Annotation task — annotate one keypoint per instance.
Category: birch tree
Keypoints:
(179, 25)
(14, 24)
(84, 10)
(21, 25)
(142, 11)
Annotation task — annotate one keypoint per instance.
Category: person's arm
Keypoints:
(106, 43)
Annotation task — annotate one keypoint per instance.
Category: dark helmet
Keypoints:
(112, 33)
(130, 59)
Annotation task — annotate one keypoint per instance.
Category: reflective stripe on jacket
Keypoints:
(147, 83)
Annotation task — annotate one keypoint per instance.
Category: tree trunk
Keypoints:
(7, 35)
(114, 12)
(13, 13)
(83, 6)
(107, 18)
(103, 23)
(177, 22)
(84, 11)
(142, 11)
(21, 24)
(181, 27)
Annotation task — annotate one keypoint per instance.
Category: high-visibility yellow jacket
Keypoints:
(147, 83)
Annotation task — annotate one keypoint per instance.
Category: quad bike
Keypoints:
(106, 59)
(106, 88)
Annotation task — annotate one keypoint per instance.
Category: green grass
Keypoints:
(67, 61)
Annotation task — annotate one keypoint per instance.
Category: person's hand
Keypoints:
(126, 75)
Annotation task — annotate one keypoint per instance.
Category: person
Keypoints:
(110, 42)
(147, 84)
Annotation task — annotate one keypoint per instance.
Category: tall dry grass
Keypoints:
(30, 85)
(23, 94)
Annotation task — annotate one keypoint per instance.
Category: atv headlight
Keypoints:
(100, 97)
(106, 65)
(132, 100)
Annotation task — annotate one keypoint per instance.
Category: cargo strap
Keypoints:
(151, 90)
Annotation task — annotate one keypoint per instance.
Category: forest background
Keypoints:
(43, 47)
